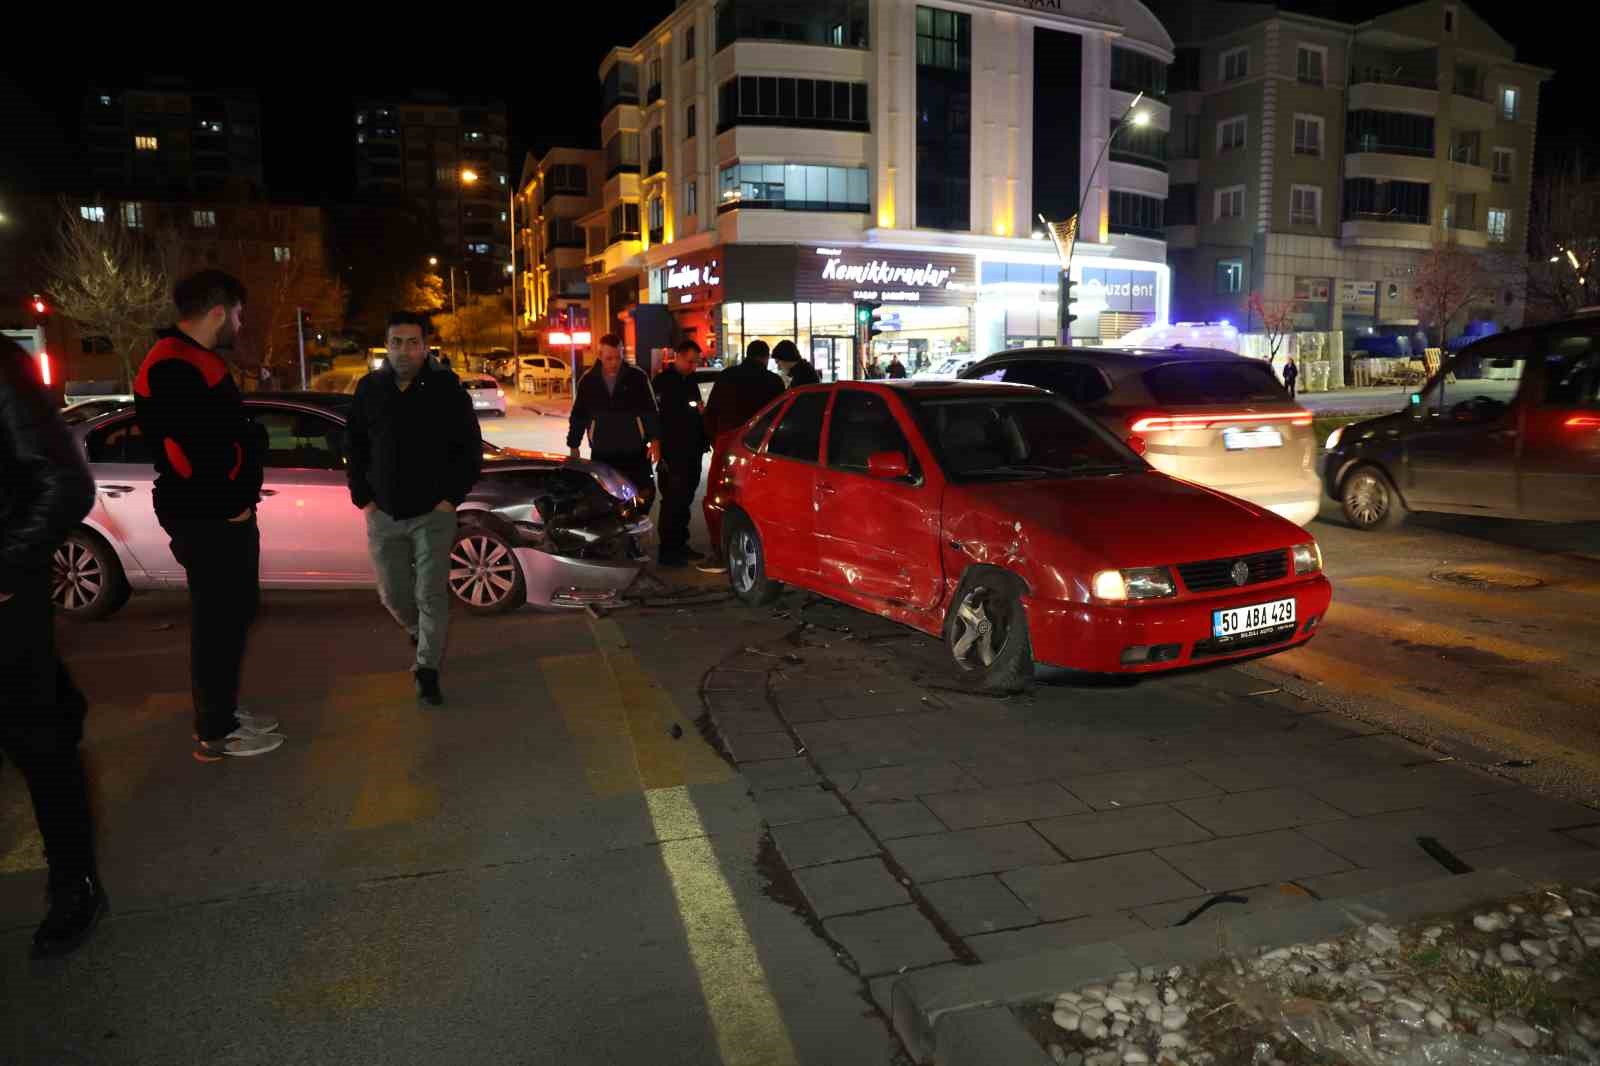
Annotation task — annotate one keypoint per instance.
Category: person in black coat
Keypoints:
(739, 393)
(797, 370)
(683, 443)
(45, 490)
(1291, 374)
(616, 409)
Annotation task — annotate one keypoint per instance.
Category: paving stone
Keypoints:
(1088, 836)
(941, 856)
(869, 704)
(827, 840)
(1538, 845)
(1256, 812)
(882, 988)
(778, 773)
(1016, 768)
(1281, 855)
(797, 711)
(1375, 879)
(799, 805)
(1544, 811)
(847, 887)
(1258, 898)
(759, 747)
(736, 723)
(996, 806)
(972, 905)
(906, 782)
(724, 680)
(1394, 790)
(883, 941)
(1132, 788)
(899, 818)
(1390, 839)
(1019, 943)
(1590, 836)
(1098, 886)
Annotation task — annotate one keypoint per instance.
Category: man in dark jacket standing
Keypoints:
(740, 392)
(616, 409)
(45, 490)
(1291, 374)
(683, 443)
(414, 453)
(799, 372)
(208, 458)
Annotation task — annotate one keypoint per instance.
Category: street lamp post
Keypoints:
(1141, 118)
(511, 217)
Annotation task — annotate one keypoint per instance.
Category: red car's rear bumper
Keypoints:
(1094, 637)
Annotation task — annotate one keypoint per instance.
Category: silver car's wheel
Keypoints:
(86, 580)
(484, 574)
(1369, 499)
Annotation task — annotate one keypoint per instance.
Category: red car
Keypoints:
(1001, 518)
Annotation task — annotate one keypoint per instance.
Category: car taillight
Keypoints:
(1161, 423)
(1583, 422)
(500, 393)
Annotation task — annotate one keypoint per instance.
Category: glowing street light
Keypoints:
(469, 177)
(1141, 119)
(433, 260)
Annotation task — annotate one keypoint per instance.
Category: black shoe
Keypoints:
(428, 687)
(76, 906)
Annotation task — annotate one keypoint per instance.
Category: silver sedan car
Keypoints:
(538, 529)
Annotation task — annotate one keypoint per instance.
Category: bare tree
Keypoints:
(1448, 278)
(1564, 241)
(1277, 321)
(112, 282)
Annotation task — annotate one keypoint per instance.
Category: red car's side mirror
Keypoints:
(887, 465)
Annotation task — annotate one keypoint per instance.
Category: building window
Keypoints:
(657, 214)
(652, 91)
(1450, 18)
(1369, 200)
(479, 248)
(502, 179)
(793, 187)
(835, 23)
(133, 215)
(474, 136)
(1236, 63)
(1143, 146)
(1389, 132)
(1497, 224)
(1311, 63)
(567, 179)
(1465, 147)
(280, 253)
(209, 125)
(1231, 134)
(620, 86)
(688, 44)
(622, 154)
(361, 118)
(1230, 203)
(1188, 135)
(145, 143)
(1308, 135)
(691, 199)
(1508, 103)
(1230, 276)
(445, 175)
(1461, 212)
(205, 219)
(624, 223)
(92, 213)
(1305, 205)
(944, 120)
(1135, 72)
(1181, 205)
(944, 39)
(563, 233)
(105, 101)
(657, 158)
(798, 102)
(1141, 216)
(1505, 161)
(689, 122)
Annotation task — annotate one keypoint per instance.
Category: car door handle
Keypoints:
(269, 492)
(115, 489)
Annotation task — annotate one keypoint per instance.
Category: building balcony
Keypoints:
(1392, 164)
(1467, 238)
(1394, 96)
(1468, 177)
(1387, 231)
(1466, 111)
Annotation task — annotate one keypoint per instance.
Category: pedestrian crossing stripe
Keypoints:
(1376, 621)
(1409, 590)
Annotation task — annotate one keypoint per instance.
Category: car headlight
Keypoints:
(1307, 558)
(1334, 438)
(1142, 583)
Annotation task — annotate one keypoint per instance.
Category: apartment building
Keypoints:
(767, 163)
(1317, 161)
(169, 139)
(555, 193)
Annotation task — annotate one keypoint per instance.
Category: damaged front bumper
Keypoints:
(598, 579)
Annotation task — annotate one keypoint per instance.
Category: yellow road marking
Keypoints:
(1484, 602)
(26, 855)
(589, 700)
(395, 738)
(1375, 620)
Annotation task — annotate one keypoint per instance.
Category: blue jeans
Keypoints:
(412, 557)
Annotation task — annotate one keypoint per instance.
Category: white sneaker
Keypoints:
(237, 744)
(255, 724)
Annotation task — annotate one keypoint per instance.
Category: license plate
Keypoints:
(1238, 622)
(480, 403)
(1239, 439)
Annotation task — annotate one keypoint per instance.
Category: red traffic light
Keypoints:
(39, 306)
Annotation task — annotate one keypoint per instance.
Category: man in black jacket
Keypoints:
(799, 372)
(683, 442)
(616, 408)
(414, 453)
(45, 490)
(208, 459)
(739, 393)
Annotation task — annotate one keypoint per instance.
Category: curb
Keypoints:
(961, 1016)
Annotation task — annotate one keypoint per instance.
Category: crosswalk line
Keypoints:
(591, 705)
(1375, 621)
(1409, 590)
(395, 738)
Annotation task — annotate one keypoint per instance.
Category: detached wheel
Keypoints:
(987, 633)
(747, 564)
(1370, 501)
(485, 577)
(86, 579)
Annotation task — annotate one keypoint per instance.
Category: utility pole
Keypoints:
(515, 361)
(300, 337)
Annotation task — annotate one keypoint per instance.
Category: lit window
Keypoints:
(502, 216)
(92, 213)
(361, 118)
(1235, 64)
(1230, 276)
(146, 144)
(205, 220)
(105, 101)
(691, 198)
(502, 179)
(133, 215)
(280, 253)
(1305, 205)
(361, 137)
(1497, 224)
(1230, 203)
(1508, 104)
(1231, 134)
(210, 125)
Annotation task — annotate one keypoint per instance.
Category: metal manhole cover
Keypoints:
(1487, 577)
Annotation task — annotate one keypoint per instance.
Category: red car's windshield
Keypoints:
(1017, 438)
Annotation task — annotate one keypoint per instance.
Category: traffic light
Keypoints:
(1068, 298)
(39, 306)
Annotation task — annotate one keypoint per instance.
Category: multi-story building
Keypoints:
(768, 163)
(1317, 161)
(171, 140)
(448, 157)
(554, 195)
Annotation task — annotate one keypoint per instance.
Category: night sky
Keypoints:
(546, 71)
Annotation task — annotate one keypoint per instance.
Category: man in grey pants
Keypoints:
(414, 454)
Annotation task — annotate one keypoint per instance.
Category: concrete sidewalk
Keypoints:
(1377, 401)
(555, 405)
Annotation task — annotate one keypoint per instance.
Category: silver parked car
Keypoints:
(539, 529)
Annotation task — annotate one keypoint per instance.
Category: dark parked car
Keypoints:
(1510, 427)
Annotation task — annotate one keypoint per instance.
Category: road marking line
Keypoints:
(1376, 621)
(1485, 602)
(587, 695)
(394, 738)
